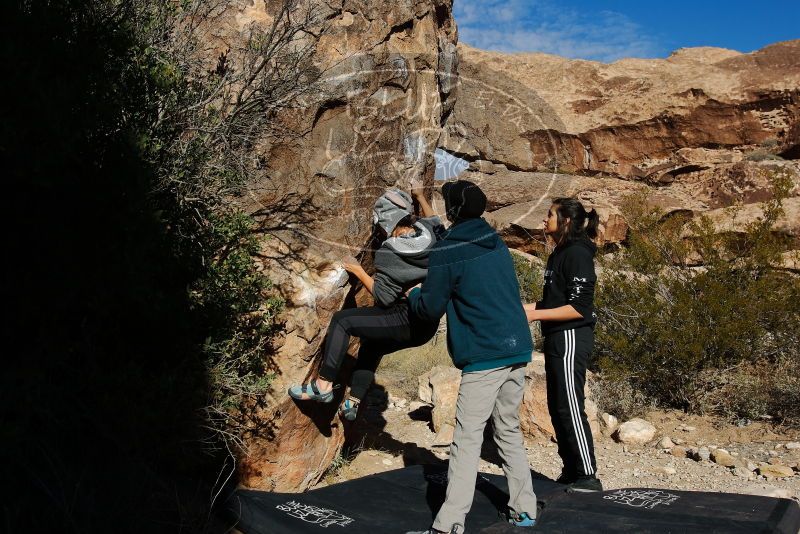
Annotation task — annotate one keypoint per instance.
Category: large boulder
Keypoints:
(439, 387)
(387, 77)
(635, 432)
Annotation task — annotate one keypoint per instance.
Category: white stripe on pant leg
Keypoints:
(569, 370)
(582, 432)
(568, 373)
(580, 436)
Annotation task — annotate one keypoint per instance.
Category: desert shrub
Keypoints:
(206, 115)
(757, 390)
(139, 320)
(236, 304)
(667, 326)
(530, 277)
(402, 368)
(618, 395)
(770, 143)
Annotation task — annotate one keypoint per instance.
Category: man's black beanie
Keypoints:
(463, 200)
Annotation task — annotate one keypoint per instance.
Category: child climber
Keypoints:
(567, 316)
(401, 262)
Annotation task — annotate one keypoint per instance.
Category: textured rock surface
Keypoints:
(701, 130)
(775, 471)
(439, 387)
(723, 458)
(387, 80)
(638, 102)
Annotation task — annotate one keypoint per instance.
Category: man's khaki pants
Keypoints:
(496, 393)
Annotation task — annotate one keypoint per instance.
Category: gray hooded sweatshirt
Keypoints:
(402, 262)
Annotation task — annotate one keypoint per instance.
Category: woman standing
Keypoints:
(566, 312)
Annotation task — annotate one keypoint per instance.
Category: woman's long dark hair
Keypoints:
(582, 224)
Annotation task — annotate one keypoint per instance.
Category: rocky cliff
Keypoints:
(384, 82)
(702, 129)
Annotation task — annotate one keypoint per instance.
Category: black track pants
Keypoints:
(382, 330)
(566, 355)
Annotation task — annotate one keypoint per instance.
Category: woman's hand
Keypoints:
(351, 265)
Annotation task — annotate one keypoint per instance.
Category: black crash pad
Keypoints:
(408, 499)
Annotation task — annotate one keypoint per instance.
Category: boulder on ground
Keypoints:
(665, 443)
(610, 423)
(679, 452)
(723, 458)
(439, 387)
(635, 432)
(444, 437)
(775, 471)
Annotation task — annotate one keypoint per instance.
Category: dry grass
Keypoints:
(398, 371)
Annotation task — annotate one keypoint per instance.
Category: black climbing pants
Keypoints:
(382, 331)
(566, 355)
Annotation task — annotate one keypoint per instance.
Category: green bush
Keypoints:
(530, 277)
(680, 311)
(197, 132)
(137, 311)
(234, 301)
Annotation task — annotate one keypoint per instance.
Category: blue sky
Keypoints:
(610, 30)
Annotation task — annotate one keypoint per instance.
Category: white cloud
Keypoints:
(540, 26)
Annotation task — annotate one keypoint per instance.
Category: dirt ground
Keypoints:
(394, 431)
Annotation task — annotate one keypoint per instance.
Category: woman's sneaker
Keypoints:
(349, 409)
(311, 392)
(585, 484)
(521, 520)
(566, 478)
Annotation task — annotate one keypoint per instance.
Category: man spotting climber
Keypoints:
(471, 278)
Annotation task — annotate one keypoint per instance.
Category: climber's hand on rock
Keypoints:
(351, 265)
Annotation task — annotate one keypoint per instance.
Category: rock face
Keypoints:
(614, 116)
(387, 78)
(701, 130)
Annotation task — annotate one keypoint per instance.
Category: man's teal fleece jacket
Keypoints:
(471, 277)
